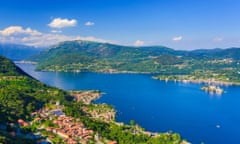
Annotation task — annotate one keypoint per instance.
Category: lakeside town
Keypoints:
(54, 126)
(212, 79)
(51, 125)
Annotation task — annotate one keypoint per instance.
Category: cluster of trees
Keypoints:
(7, 139)
(20, 94)
(7, 68)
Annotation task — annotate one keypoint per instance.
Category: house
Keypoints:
(113, 142)
(21, 122)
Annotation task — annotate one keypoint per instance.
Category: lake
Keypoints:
(159, 106)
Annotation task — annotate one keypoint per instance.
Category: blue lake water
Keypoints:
(159, 106)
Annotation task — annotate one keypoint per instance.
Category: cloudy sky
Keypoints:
(179, 24)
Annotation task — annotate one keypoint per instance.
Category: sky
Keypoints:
(178, 24)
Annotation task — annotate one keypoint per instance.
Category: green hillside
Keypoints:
(20, 94)
(104, 57)
(7, 68)
(93, 56)
(81, 56)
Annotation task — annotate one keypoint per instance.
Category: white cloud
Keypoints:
(56, 31)
(61, 23)
(139, 43)
(91, 38)
(89, 23)
(218, 39)
(18, 35)
(18, 30)
(178, 38)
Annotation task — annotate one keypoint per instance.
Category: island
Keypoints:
(212, 89)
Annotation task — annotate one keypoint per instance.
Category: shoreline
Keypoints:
(196, 81)
(103, 72)
(135, 132)
(138, 128)
(25, 62)
(201, 81)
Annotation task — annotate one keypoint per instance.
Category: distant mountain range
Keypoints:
(18, 52)
(104, 57)
(82, 56)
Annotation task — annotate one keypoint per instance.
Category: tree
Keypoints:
(132, 122)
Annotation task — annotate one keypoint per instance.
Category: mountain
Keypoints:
(20, 94)
(216, 53)
(101, 50)
(104, 57)
(7, 68)
(18, 52)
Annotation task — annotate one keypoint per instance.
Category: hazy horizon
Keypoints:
(181, 25)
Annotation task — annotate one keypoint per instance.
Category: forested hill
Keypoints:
(217, 53)
(100, 57)
(7, 68)
(20, 94)
(103, 57)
